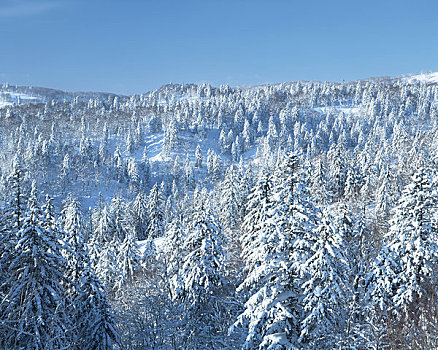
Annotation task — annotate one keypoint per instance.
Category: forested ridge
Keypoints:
(292, 216)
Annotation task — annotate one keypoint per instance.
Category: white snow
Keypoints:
(4, 104)
(9, 98)
(159, 243)
(142, 246)
(343, 109)
(145, 244)
(422, 77)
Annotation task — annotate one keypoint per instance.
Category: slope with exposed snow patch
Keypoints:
(8, 98)
(428, 78)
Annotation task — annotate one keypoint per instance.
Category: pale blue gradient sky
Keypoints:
(133, 46)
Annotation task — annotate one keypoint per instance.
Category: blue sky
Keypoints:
(134, 46)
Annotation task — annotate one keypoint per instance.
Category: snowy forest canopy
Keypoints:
(292, 216)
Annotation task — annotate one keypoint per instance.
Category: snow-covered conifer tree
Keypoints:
(155, 213)
(34, 312)
(258, 210)
(198, 156)
(412, 250)
(103, 248)
(74, 228)
(203, 279)
(175, 252)
(128, 258)
(97, 327)
(17, 199)
(272, 311)
(138, 216)
(324, 287)
(230, 198)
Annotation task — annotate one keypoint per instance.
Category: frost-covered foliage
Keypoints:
(97, 327)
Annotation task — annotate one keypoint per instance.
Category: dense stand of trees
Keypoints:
(293, 216)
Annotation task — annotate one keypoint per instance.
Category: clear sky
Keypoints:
(133, 46)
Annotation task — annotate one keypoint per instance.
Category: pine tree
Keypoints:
(145, 169)
(134, 178)
(413, 247)
(189, 176)
(17, 200)
(155, 213)
(128, 258)
(324, 287)
(170, 137)
(319, 184)
(174, 251)
(75, 231)
(177, 168)
(11, 219)
(96, 322)
(138, 216)
(258, 211)
(35, 309)
(403, 278)
(105, 263)
(385, 198)
(198, 156)
(118, 224)
(272, 312)
(203, 279)
(230, 198)
(103, 248)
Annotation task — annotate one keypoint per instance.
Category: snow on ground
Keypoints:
(154, 146)
(161, 164)
(159, 243)
(431, 78)
(343, 109)
(9, 98)
(5, 104)
(187, 143)
(144, 245)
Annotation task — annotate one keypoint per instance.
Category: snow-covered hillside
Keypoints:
(283, 216)
(11, 95)
(428, 78)
(15, 98)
